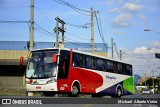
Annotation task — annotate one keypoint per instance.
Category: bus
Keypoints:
(66, 71)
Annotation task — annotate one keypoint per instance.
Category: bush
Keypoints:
(157, 92)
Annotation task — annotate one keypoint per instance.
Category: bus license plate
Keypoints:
(38, 87)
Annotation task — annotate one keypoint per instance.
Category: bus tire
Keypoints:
(48, 94)
(75, 90)
(119, 92)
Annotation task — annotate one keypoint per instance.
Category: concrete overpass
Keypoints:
(12, 75)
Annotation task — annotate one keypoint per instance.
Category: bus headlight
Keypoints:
(51, 81)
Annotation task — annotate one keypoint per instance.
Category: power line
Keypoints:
(44, 15)
(37, 29)
(13, 22)
(42, 29)
(78, 26)
(72, 7)
(14, 6)
(100, 32)
(77, 36)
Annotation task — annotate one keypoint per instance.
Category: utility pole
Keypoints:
(92, 29)
(57, 45)
(59, 29)
(63, 33)
(31, 38)
(112, 44)
(120, 55)
(30, 44)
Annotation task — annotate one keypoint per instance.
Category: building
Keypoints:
(12, 75)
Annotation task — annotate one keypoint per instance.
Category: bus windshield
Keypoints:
(40, 65)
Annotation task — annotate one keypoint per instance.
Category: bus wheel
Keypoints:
(75, 91)
(48, 94)
(119, 92)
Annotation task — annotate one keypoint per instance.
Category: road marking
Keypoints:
(86, 105)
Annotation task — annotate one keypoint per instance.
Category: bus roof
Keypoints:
(81, 52)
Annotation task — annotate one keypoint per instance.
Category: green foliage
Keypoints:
(149, 83)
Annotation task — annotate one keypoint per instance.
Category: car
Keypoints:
(146, 91)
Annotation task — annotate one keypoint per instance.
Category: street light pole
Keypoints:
(152, 30)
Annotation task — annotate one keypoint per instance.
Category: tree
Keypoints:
(149, 83)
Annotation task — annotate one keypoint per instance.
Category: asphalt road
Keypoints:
(135, 96)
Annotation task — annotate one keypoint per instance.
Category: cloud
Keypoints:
(144, 50)
(127, 11)
(155, 44)
(140, 50)
(122, 20)
(114, 10)
(110, 2)
(132, 7)
(143, 17)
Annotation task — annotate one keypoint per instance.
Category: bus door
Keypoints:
(63, 70)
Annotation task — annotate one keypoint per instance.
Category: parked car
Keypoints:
(146, 91)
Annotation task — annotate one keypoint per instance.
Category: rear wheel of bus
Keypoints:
(119, 92)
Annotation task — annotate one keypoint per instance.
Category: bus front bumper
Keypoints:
(40, 87)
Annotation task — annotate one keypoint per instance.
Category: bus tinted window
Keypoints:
(109, 66)
(83, 61)
(115, 68)
(94, 63)
(77, 60)
(64, 62)
(100, 65)
(128, 70)
(105, 65)
(120, 68)
(89, 62)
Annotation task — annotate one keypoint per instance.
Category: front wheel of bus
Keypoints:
(75, 91)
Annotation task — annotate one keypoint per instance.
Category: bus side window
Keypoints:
(120, 68)
(94, 63)
(128, 70)
(84, 61)
(109, 66)
(105, 66)
(100, 64)
(124, 68)
(77, 60)
(89, 62)
(115, 69)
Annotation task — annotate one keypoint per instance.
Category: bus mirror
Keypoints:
(54, 58)
(21, 60)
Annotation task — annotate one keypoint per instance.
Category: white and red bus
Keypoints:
(56, 70)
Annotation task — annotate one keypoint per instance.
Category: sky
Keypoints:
(123, 20)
